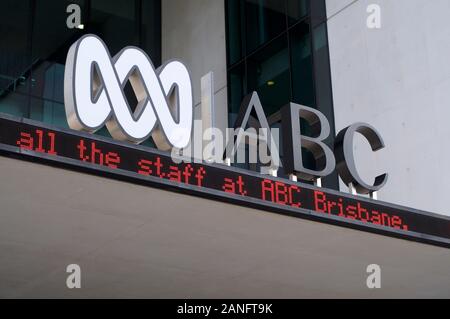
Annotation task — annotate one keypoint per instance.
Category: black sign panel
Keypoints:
(145, 165)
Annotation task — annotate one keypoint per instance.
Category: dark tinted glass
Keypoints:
(50, 42)
(283, 56)
(268, 74)
(302, 65)
(15, 55)
(149, 31)
(323, 89)
(237, 90)
(36, 38)
(296, 10)
(235, 30)
(317, 12)
(14, 103)
(115, 22)
(265, 19)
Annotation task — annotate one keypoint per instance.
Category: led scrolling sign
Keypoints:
(94, 97)
(146, 165)
(100, 101)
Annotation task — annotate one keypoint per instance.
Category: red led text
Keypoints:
(35, 142)
(181, 174)
(324, 204)
(280, 193)
(234, 186)
(89, 152)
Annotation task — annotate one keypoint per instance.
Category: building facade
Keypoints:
(131, 240)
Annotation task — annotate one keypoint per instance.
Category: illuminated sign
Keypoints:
(93, 97)
(93, 94)
(152, 167)
(294, 141)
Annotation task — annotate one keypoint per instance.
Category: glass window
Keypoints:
(51, 36)
(149, 30)
(36, 39)
(265, 19)
(302, 65)
(318, 12)
(50, 42)
(235, 31)
(14, 103)
(297, 10)
(237, 90)
(114, 22)
(281, 58)
(48, 111)
(15, 58)
(268, 74)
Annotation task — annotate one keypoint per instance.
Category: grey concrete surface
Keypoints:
(194, 32)
(396, 78)
(135, 241)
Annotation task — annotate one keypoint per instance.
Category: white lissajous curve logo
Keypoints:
(94, 94)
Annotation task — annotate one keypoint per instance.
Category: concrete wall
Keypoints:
(396, 78)
(132, 241)
(194, 32)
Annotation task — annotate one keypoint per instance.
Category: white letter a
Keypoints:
(74, 279)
